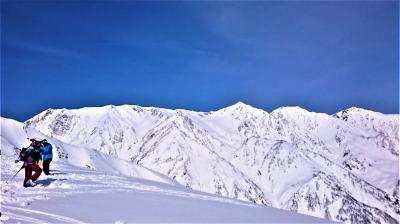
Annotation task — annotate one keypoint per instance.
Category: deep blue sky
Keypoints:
(322, 56)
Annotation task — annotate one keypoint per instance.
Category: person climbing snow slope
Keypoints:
(30, 156)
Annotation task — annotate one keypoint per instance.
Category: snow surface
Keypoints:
(87, 186)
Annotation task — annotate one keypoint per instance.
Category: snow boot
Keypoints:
(30, 183)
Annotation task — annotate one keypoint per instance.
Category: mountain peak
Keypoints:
(357, 110)
(239, 105)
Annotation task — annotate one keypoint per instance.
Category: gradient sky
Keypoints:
(322, 56)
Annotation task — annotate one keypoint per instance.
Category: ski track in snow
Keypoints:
(27, 213)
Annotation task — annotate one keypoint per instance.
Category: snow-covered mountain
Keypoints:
(342, 167)
(87, 186)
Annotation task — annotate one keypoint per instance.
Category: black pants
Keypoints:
(46, 166)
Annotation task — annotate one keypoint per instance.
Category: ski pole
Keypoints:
(14, 174)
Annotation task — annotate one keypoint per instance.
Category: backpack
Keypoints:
(23, 155)
(30, 154)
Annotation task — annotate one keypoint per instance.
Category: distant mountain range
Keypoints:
(342, 167)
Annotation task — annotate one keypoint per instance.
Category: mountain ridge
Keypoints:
(237, 104)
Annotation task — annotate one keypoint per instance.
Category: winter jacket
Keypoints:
(30, 155)
(47, 152)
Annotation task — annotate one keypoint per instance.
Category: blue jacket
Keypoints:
(47, 151)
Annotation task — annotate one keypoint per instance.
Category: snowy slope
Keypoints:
(13, 135)
(342, 167)
(78, 195)
(88, 186)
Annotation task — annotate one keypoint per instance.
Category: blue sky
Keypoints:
(322, 56)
